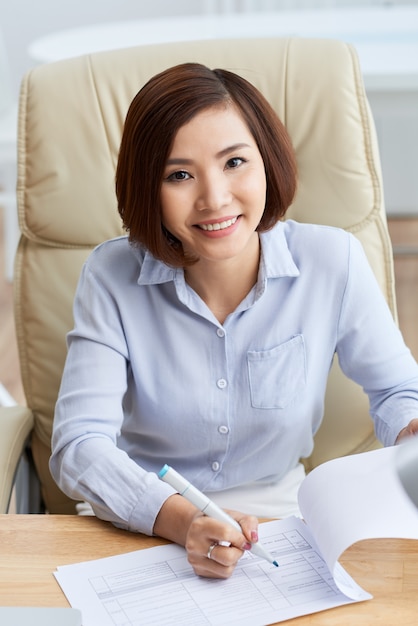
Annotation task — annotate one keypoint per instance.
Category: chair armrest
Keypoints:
(16, 423)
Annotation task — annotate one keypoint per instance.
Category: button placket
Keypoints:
(222, 403)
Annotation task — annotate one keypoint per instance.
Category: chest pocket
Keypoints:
(278, 375)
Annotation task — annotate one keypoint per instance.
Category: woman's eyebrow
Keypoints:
(235, 146)
(220, 154)
(179, 161)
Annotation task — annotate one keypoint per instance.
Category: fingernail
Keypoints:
(254, 536)
(247, 546)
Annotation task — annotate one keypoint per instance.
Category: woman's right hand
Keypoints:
(213, 548)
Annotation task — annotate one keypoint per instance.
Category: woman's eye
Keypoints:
(178, 176)
(234, 162)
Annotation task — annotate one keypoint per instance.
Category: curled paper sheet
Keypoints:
(354, 498)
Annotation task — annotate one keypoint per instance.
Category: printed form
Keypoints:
(158, 586)
(342, 501)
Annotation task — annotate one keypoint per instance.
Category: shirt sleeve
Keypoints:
(372, 351)
(86, 461)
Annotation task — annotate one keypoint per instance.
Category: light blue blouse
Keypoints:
(152, 377)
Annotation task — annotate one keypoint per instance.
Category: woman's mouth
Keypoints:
(218, 225)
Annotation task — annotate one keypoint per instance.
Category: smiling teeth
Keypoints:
(218, 225)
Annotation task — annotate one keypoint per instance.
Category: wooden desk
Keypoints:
(31, 547)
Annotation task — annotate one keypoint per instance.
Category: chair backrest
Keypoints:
(70, 123)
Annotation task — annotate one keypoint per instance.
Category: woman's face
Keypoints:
(214, 186)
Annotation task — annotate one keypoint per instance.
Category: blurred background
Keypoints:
(24, 21)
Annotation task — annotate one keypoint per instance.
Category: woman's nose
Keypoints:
(214, 194)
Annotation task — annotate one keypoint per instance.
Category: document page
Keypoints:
(158, 586)
(342, 501)
(353, 498)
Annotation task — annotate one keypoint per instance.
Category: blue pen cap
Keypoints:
(163, 471)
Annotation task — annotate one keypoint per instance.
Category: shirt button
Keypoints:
(222, 383)
(220, 332)
(223, 430)
(215, 466)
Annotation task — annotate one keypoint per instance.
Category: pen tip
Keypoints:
(275, 563)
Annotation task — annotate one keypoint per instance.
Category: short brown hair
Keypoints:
(166, 103)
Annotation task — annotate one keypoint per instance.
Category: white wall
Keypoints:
(22, 21)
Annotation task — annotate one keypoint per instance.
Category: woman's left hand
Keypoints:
(408, 431)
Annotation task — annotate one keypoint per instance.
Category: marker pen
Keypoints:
(209, 508)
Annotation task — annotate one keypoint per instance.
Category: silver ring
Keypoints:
(211, 548)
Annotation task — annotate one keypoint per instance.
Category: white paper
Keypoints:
(158, 586)
(354, 498)
(343, 501)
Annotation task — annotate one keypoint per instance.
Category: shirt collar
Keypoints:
(154, 272)
(276, 260)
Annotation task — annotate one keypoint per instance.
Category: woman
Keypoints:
(204, 339)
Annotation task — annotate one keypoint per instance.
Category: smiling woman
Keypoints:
(221, 196)
(204, 339)
(215, 207)
(172, 101)
(209, 167)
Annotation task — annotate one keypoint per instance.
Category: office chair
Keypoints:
(70, 123)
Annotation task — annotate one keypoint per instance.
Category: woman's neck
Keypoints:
(222, 285)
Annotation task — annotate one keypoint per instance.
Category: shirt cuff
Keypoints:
(145, 512)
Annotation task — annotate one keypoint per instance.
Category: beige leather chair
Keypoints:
(71, 117)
